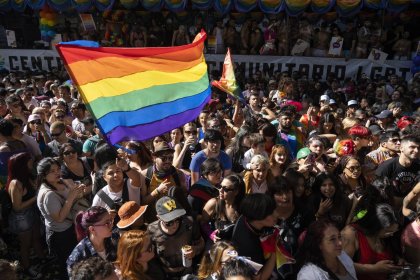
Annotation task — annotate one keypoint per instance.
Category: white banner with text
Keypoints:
(312, 67)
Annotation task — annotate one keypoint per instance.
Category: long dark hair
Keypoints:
(142, 151)
(329, 118)
(316, 187)
(17, 170)
(310, 251)
(236, 144)
(375, 218)
(239, 185)
(44, 166)
(379, 191)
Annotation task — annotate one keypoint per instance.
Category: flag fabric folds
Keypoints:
(139, 93)
(227, 82)
(272, 244)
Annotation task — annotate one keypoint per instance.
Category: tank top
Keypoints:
(366, 255)
(30, 192)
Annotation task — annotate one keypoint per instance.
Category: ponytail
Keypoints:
(81, 232)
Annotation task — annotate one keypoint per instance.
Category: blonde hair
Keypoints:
(349, 123)
(129, 250)
(258, 160)
(211, 261)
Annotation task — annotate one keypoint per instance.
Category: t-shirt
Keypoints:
(50, 202)
(90, 144)
(247, 242)
(133, 195)
(403, 178)
(168, 247)
(200, 157)
(31, 144)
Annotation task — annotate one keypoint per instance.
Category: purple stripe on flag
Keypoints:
(147, 131)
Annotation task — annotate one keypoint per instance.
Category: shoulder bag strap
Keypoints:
(105, 198)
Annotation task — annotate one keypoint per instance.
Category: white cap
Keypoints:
(332, 101)
(324, 98)
(352, 102)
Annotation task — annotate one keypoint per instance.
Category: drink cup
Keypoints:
(185, 261)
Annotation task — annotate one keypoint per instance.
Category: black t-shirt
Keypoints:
(247, 242)
(403, 178)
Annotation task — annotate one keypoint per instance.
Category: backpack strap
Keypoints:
(105, 198)
(125, 196)
(149, 174)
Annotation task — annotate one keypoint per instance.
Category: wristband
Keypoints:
(157, 191)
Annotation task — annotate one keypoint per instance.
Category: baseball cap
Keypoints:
(332, 101)
(130, 212)
(169, 209)
(352, 103)
(324, 98)
(303, 153)
(384, 114)
(375, 129)
(34, 117)
(162, 147)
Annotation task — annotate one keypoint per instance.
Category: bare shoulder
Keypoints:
(348, 232)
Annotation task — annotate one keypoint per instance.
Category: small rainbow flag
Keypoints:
(138, 93)
(227, 82)
(272, 244)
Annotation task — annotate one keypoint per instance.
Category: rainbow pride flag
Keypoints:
(272, 244)
(138, 93)
(227, 82)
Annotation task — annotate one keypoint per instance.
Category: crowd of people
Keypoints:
(307, 180)
(308, 35)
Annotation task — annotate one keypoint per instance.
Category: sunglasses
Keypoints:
(171, 223)
(396, 140)
(354, 168)
(66, 153)
(56, 134)
(190, 132)
(108, 223)
(226, 189)
(166, 158)
(36, 122)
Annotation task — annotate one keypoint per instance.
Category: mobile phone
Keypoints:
(311, 158)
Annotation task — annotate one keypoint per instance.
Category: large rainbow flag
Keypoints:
(138, 93)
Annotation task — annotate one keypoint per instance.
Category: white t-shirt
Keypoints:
(133, 195)
(77, 125)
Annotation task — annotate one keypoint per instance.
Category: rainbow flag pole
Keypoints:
(227, 82)
(138, 93)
